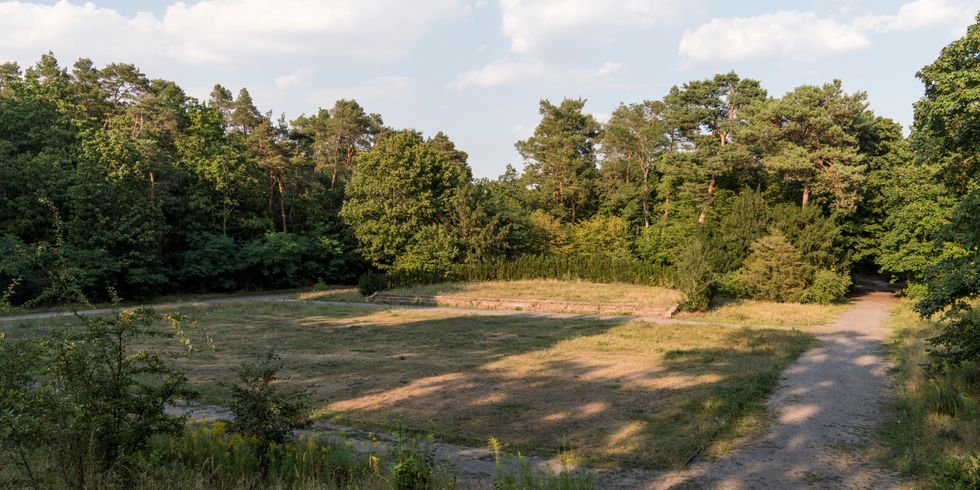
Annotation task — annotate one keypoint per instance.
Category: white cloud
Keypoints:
(509, 71)
(806, 36)
(800, 35)
(547, 37)
(556, 27)
(224, 32)
(921, 14)
(292, 79)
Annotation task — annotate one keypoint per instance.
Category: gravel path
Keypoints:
(824, 410)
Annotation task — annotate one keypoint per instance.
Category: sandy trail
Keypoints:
(824, 410)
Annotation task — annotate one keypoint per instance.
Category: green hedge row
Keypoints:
(587, 268)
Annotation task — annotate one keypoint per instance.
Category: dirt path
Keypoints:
(174, 304)
(824, 410)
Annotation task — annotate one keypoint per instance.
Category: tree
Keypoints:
(398, 189)
(946, 132)
(704, 116)
(561, 158)
(809, 137)
(632, 144)
(775, 270)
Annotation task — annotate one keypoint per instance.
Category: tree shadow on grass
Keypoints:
(599, 389)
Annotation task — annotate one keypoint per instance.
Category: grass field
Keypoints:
(572, 291)
(751, 312)
(933, 432)
(599, 392)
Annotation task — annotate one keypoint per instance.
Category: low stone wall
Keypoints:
(547, 306)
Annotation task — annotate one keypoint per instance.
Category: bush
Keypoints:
(693, 277)
(774, 271)
(732, 284)
(263, 409)
(370, 283)
(956, 473)
(827, 287)
(89, 399)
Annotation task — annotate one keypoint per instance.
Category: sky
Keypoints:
(476, 69)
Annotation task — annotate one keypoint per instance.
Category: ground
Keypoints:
(572, 291)
(608, 392)
(612, 392)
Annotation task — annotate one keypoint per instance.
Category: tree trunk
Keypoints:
(711, 192)
(806, 195)
(153, 185)
(282, 204)
(646, 197)
(666, 208)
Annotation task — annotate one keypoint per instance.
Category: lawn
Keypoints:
(571, 291)
(607, 393)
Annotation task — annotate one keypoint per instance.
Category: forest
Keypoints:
(716, 187)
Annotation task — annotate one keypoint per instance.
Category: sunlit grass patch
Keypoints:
(609, 393)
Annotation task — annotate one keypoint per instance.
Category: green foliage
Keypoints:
(694, 277)
(732, 284)
(774, 270)
(561, 158)
(264, 411)
(520, 475)
(398, 200)
(958, 473)
(827, 287)
(371, 282)
(600, 236)
(91, 398)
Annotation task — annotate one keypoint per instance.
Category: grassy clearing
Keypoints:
(933, 433)
(572, 291)
(752, 312)
(598, 392)
(346, 295)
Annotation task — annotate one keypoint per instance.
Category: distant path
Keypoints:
(825, 409)
(173, 304)
(290, 297)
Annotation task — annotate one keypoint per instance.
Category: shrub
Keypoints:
(958, 472)
(90, 398)
(370, 283)
(601, 236)
(732, 284)
(774, 271)
(693, 277)
(264, 410)
(827, 287)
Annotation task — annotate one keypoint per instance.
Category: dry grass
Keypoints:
(346, 295)
(751, 312)
(601, 392)
(934, 428)
(572, 291)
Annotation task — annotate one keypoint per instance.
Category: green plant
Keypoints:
(264, 410)
(827, 287)
(732, 284)
(958, 472)
(518, 474)
(694, 278)
(774, 271)
(371, 282)
(90, 398)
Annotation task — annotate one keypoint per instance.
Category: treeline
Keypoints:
(136, 186)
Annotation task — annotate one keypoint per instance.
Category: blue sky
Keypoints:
(475, 69)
